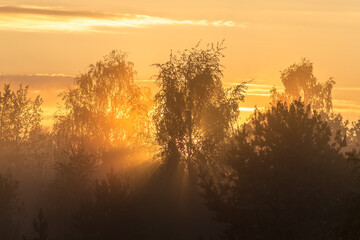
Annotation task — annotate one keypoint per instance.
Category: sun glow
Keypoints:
(246, 109)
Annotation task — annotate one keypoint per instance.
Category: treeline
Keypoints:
(122, 163)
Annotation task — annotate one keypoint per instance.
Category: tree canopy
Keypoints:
(20, 124)
(300, 82)
(193, 111)
(105, 109)
(286, 177)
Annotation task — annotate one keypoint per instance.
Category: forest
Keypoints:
(124, 162)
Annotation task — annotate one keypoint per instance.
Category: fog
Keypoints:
(124, 160)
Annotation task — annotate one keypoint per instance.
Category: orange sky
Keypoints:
(48, 41)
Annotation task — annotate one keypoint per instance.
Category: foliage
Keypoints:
(73, 175)
(348, 213)
(20, 123)
(301, 84)
(299, 81)
(70, 186)
(108, 216)
(40, 226)
(193, 110)
(354, 134)
(286, 177)
(9, 207)
(105, 109)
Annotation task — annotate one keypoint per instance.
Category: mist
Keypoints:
(184, 159)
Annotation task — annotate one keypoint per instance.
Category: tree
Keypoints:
(9, 207)
(109, 214)
(105, 116)
(299, 81)
(71, 185)
(194, 113)
(285, 179)
(348, 213)
(105, 109)
(20, 124)
(354, 134)
(40, 226)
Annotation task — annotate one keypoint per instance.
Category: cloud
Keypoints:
(39, 19)
(345, 106)
(347, 88)
(39, 81)
(45, 11)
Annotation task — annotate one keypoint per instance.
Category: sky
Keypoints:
(46, 43)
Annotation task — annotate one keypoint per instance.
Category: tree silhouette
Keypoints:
(286, 177)
(354, 134)
(71, 185)
(40, 226)
(105, 109)
(299, 81)
(194, 113)
(20, 124)
(194, 116)
(9, 207)
(109, 215)
(348, 213)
